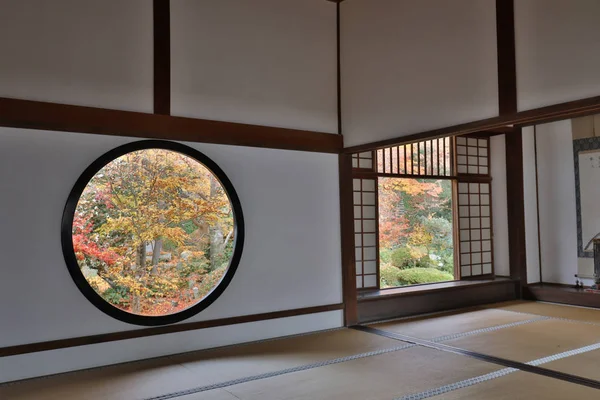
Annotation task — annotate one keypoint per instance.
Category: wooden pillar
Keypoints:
(162, 57)
(347, 236)
(515, 206)
(507, 104)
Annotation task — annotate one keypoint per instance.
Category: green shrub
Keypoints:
(401, 258)
(116, 295)
(388, 276)
(447, 262)
(414, 276)
(385, 255)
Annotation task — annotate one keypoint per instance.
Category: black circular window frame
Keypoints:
(67, 234)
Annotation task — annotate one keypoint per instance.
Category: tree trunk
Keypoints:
(216, 246)
(135, 299)
(135, 304)
(215, 232)
(142, 256)
(158, 243)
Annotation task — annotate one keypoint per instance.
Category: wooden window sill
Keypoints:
(428, 288)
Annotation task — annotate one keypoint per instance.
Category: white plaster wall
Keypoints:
(556, 183)
(530, 206)
(409, 66)
(291, 255)
(83, 52)
(557, 51)
(499, 205)
(267, 62)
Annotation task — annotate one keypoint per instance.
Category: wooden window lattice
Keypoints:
(426, 158)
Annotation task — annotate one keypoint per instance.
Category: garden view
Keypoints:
(153, 232)
(415, 231)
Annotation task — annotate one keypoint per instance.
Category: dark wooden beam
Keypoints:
(570, 109)
(507, 72)
(347, 238)
(161, 330)
(339, 67)
(515, 207)
(499, 131)
(60, 117)
(162, 57)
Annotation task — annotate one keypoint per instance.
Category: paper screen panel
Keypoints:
(472, 156)
(475, 229)
(365, 232)
(363, 160)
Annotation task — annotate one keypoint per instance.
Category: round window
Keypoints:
(152, 232)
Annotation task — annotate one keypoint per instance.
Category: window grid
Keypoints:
(366, 240)
(472, 156)
(363, 160)
(475, 229)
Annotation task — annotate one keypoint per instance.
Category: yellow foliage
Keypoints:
(147, 196)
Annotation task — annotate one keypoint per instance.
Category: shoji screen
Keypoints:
(475, 233)
(363, 160)
(472, 156)
(474, 207)
(365, 232)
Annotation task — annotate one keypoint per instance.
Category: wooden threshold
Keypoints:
(559, 293)
(160, 330)
(29, 114)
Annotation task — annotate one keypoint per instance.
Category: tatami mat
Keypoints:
(382, 377)
(521, 386)
(260, 358)
(586, 365)
(531, 341)
(275, 369)
(127, 381)
(216, 394)
(553, 310)
(459, 322)
(159, 376)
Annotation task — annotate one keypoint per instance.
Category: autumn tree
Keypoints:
(159, 221)
(415, 215)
